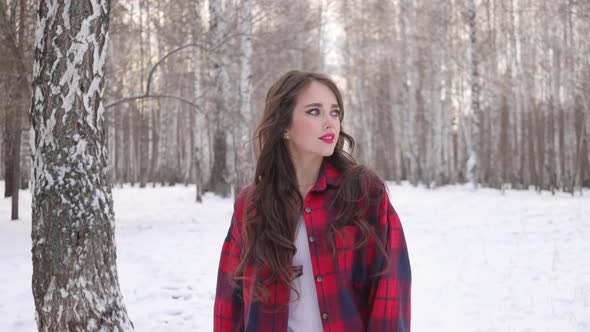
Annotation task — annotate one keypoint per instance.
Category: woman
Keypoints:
(314, 244)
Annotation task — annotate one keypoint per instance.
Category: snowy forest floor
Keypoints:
(481, 261)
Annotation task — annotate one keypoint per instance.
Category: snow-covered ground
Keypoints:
(481, 261)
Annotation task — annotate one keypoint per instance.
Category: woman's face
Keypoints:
(315, 126)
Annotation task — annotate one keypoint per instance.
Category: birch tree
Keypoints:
(408, 82)
(405, 74)
(75, 282)
(218, 181)
(435, 163)
(197, 120)
(472, 167)
(244, 160)
(12, 36)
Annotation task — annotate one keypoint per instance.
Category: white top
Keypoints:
(304, 313)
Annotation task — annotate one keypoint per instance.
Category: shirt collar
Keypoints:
(328, 176)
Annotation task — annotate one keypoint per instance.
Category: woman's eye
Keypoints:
(336, 113)
(313, 111)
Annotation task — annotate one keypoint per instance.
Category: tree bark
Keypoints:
(75, 283)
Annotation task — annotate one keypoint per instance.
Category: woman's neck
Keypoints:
(307, 170)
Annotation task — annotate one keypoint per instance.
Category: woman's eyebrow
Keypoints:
(320, 105)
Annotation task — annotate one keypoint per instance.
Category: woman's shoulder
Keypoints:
(244, 193)
(366, 176)
(242, 201)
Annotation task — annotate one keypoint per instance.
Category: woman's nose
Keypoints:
(329, 122)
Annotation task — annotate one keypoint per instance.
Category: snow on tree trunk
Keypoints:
(75, 284)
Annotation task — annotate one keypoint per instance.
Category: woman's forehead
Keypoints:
(317, 92)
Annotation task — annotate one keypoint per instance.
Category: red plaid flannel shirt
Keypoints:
(349, 299)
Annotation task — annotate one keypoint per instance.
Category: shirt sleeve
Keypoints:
(228, 309)
(389, 296)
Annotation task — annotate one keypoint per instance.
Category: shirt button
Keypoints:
(308, 209)
(324, 316)
(318, 278)
(311, 239)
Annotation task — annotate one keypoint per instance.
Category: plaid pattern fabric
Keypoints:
(350, 297)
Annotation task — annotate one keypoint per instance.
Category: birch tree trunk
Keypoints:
(585, 142)
(25, 152)
(495, 99)
(75, 283)
(14, 44)
(244, 161)
(435, 164)
(218, 181)
(16, 164)
(472, 167)
(409, 106)
(143, 116)
(7, 141)
(197, 119)
(557, 105)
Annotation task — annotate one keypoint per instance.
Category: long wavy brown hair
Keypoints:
(275, 203)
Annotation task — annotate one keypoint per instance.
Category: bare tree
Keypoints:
(75, 282)
(198, 124)
(219, 71)
(473, 167)
(244, 159)
(406, 77)
(12, 34)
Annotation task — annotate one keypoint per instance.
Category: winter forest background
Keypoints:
(427, 85)
(438, 94)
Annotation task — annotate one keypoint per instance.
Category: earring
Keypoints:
(286, 136)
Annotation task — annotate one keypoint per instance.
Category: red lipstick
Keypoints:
(328, 138)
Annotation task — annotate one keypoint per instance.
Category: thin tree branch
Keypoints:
(159, 96)
(147, 94)
(178, 49)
